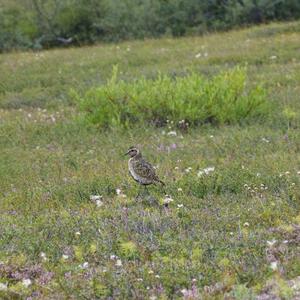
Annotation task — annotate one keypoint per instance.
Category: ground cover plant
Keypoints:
(70, 227)
(190, 100)
(42, 24)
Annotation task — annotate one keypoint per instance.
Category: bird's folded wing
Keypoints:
(144, 169)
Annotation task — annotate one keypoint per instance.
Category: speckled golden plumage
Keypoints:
(141, 170)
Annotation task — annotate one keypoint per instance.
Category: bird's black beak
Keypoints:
(126, 153)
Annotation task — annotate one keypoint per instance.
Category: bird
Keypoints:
(141, 170)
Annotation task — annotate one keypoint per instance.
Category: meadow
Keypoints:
(70, 226)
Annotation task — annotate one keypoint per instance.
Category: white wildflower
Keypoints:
(271, 243)
(97, 200)
(274, 265)
(139, 279)
(273, 57)
(3, 286)
(205, 171)
(287, 173)
(179, 189)
(172, 133)
(157, 276)
(200, 173)
(65, 256)
(120, 193)
(95, 197)
(119, 263)
(85, 265)
(167, 200)
(99, 203)
(179, 205)
(150, 272)
(43, 256)
(187, 170)
(77, 233)
(184, 291)
(246, 224)
(26, 282)
(113, 257)
(265, 140)
(208, 170)
(198, 55)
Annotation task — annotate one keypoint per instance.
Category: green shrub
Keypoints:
(223, 99)
(50, 23)
(17, 28)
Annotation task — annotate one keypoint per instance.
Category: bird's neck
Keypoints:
(137, 156)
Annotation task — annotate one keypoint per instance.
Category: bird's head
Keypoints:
(133, 151)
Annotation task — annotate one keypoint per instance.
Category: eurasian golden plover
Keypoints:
(140, 170)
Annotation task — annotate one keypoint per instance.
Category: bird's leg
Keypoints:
(146, 190)
(139, 193)
(164, 190)
(150, 198)
(137, 197)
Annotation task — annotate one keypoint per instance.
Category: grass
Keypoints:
(211, 241)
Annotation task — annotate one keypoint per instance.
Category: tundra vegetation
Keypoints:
(218, 116)
(37, 24)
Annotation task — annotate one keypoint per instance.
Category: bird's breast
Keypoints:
(131, 170)
(138, 178)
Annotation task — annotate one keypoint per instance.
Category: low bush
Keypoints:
(193, 99)
(36, 24)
